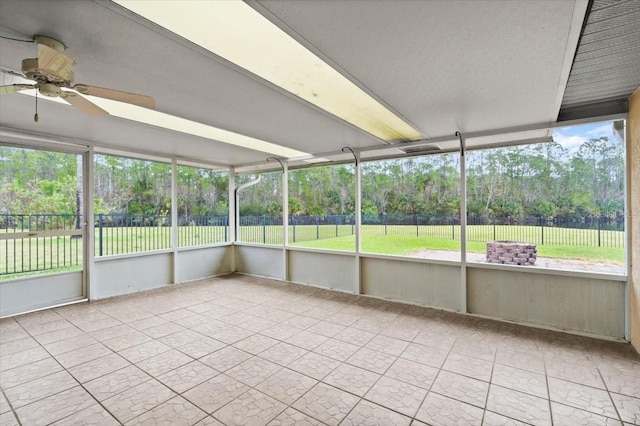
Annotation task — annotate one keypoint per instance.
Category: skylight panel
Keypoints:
(238, 33)
(177, 124)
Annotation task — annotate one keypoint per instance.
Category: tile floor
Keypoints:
(239, 350)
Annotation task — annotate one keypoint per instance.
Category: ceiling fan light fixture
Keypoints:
(236, 32)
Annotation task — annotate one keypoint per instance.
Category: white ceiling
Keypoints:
(443, 66)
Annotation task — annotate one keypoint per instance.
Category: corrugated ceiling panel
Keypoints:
(607, 62)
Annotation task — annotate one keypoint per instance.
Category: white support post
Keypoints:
(463, 226)
(285, 220)
(89, 188)
(358, 214)
(174, 219)
(232, 217)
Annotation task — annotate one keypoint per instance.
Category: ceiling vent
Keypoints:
(422, 149)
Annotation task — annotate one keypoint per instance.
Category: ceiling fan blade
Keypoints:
(83, 104)
(12, 88)
(55, 65)
(116, 95)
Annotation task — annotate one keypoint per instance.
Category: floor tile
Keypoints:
(355, 336)
(19, 359)
(255, 344)
(18, 346)
(55, 407)
(28, 372)
(162, 330)
(283, 353)
(622, 383)
(141, 352)
(520, 406)
(396, 395)
(56, 335)
(225, 358)
(352, 379)
(83, 355)
(337, 349)
(252, 408)
(371, 360)
(4, 404)
(388, 345)
(126, 341)
(326, 403)
(369, 414)
(374, 358)
(520, 380)
(67, 345)
(291, 417)
(495, 419)
(98, 367)
(201, 347)
(188, 376)
(8, 419)
(440, 410)
(37, 389)
(526, 360)
(280, 331)
(462, 388)
(286, 385)
(582, 374)
(131, 403)
(164, 362)
(209, 421)
(583, 397)
(314, 365)
(628, 407)
(253, 371)
(175, 412)
(180, 338)
(563, 415)
(116, 382)
(414, 373)
(92, 415)
(428, 355)
(307, 340)
(215, 393)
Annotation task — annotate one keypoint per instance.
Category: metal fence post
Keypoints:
(336, 220)
(317, 228)
(417, 228)
(494, 228)
(100, 234)
(599, 231)
(264, 229)
(384, 222)
(294, 229)
(225, 221)
(542, 230)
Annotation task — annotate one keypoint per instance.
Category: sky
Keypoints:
(572, 137)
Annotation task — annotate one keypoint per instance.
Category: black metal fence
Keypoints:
(27, 243)
(47, 248)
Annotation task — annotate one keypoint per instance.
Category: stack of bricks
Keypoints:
(511, 253)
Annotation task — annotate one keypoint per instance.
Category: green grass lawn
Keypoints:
(65, 253)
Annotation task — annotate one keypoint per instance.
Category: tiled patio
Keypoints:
(239, 350)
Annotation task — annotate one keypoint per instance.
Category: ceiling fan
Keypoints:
(52, 72)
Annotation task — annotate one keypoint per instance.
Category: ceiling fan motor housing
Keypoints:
(50, 90)
(30, 69)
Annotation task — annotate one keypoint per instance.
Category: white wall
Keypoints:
(115, 275)
(575, 303)
(412, 280)
(330, 270)
(264, 261)
(26, 294)
(195, 263)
